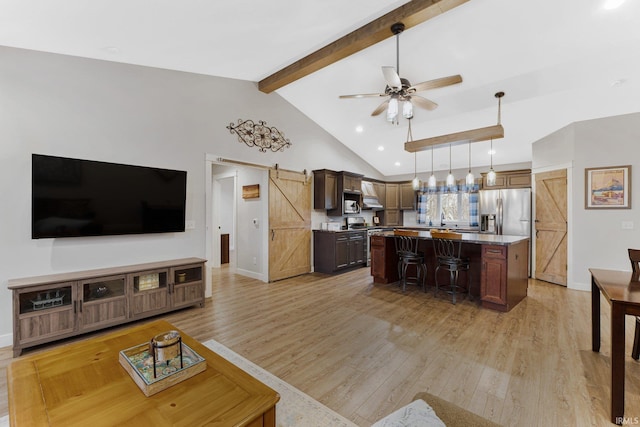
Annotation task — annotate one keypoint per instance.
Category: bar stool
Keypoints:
(407, 251)
(447, 253)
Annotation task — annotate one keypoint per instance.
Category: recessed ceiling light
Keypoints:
(618, 82)
(397, 163)
(111, 49)
(359, 129)
(380, 148)
(612, 4)
(491, 152)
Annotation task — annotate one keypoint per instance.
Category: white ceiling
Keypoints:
(557, 61)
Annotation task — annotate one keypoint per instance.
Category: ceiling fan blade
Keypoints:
(392, 78)
(380, 108)
(363, 95)
(436, 83)
(423, 102)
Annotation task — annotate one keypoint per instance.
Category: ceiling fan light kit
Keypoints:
(400, 89)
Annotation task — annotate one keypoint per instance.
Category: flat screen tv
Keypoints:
(74, 197)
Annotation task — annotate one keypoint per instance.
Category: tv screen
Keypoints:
(74, 197)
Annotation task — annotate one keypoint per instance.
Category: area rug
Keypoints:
(295, 408)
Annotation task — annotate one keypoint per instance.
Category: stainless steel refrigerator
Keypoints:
(507, 212)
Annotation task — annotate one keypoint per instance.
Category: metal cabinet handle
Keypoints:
(494, 251)
(273, 234)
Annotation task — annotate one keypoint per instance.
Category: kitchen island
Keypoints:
(499, 265)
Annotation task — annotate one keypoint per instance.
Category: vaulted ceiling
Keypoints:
(557, 61)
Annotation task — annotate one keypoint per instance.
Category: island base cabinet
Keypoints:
(384, 265)
(504, 275)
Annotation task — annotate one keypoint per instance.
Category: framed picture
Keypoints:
(607, 187)
(251, 191)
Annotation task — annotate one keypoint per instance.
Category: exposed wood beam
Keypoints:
(474, 135)
(410, 14)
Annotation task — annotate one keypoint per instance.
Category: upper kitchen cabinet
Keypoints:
(331, 189)
(350, 182)
(407, 197)
(325, 189)
(392, 196)
(509, 179)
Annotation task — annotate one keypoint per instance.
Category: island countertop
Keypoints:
(479, 238)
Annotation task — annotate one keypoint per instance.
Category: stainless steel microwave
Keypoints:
(351, 207)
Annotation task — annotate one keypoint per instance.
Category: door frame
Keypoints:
(570, 204)
(212, 248)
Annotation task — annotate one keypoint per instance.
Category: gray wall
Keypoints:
(596, 236)
(75, 107)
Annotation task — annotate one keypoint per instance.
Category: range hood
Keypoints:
(370, 197)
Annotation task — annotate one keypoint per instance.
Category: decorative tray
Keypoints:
(138, 362)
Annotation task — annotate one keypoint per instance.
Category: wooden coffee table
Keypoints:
(83, 384)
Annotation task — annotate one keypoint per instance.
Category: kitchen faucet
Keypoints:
(442, 219)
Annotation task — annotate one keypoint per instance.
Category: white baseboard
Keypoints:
(6, 340)
(252, 274)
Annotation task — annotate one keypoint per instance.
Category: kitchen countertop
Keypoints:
(389, 228)
(478, 238)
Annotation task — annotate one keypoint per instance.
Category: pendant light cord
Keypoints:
(432, 160)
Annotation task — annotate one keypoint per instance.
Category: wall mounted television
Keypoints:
(74, 197)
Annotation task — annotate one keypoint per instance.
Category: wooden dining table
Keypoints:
(622, 291)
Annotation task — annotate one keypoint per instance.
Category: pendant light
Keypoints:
(491, 176)
(470, 179)
(415, 183)
(432, 178)
(450, 178)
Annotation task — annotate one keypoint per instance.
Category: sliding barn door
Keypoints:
(289, 224)
(551, 226)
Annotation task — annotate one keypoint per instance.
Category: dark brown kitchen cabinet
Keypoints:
(392, 197)
(509, 179)
(325, 189)
(336, 251)
(350, 182)
(390, 217)
(407, 196)
(503, 278)
(384, 268)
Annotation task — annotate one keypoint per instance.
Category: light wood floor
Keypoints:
(364, 350)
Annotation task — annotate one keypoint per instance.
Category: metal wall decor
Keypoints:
(259, 135)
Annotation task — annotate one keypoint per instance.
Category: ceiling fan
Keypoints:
(400, 89)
